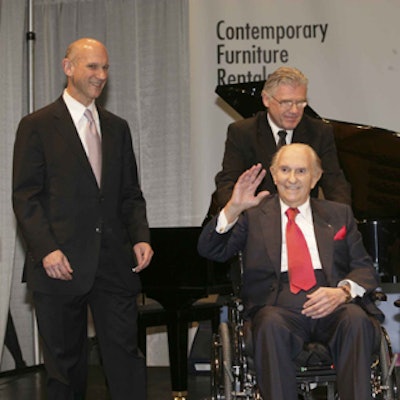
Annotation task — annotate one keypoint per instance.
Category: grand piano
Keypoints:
(178, 276)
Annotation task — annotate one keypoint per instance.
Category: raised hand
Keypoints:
(243, 195)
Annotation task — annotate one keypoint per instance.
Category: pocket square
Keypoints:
(340, 234)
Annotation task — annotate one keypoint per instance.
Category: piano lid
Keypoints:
(177, 274)
(369, 156)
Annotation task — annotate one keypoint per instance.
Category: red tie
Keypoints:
(301, 271)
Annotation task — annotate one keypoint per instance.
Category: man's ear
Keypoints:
(67, 66)
(272, 174)
(316, 178)
(265, 99)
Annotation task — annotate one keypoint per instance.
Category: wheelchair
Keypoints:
(233, 375)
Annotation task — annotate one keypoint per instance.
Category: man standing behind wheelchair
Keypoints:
(333, 308)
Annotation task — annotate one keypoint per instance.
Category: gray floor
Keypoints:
(29, 385)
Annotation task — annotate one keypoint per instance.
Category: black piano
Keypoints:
(178, 276)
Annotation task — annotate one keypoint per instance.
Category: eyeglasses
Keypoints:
(288, 104)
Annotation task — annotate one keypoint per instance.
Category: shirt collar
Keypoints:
(304, 209)
(275, 128)
(76, 108)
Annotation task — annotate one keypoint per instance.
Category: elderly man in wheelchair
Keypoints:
(306, 278)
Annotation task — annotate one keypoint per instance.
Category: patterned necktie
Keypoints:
(93, 142)
(282, 139)
(301, 271)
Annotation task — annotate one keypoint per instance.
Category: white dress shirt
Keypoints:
(305, 222)
(77, 109)
(275, 129)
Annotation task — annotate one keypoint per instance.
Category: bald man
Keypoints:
(81, 211)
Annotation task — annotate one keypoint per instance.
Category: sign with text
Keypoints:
(349, 50)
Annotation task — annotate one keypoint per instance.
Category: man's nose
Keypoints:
(294, 107)
(292, 176)
(102, 74)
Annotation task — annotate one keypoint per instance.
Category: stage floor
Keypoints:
(29, 385)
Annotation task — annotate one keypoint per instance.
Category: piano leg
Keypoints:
(177, 320)
(177, 327)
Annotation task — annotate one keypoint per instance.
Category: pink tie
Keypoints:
(93, 143)
(301, 271)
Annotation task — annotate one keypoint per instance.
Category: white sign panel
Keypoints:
(349, 50)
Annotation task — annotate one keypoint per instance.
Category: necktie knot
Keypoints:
(282, 138)
(282, 134)
(291, 213)
(88, 114)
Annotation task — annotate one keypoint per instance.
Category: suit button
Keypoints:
(98, 230)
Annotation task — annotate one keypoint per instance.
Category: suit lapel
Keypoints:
(272, 231)
(67, 130)
(300, 134)
(267, 144)
(107, 143)
(324, 233)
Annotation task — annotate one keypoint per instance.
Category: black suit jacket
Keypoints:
(258, 234)
(251, 141)
(58, 204)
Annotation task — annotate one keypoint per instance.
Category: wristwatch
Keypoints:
(346, 289)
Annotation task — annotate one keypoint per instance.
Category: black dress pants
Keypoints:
(62, 323)
(280, 331)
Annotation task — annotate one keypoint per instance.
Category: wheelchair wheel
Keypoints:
(216, 370)
(226, 359)
(383, 377)
(221, 364)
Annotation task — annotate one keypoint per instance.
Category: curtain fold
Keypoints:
(12, 102)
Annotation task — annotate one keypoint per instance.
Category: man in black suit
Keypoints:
(256, 139)
(85, 228)
(335, 309)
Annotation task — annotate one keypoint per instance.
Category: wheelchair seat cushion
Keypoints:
(314, 354)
